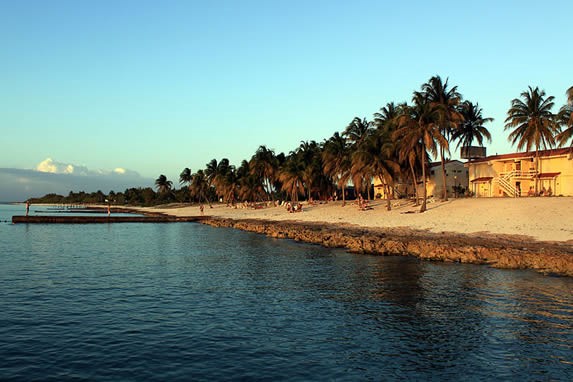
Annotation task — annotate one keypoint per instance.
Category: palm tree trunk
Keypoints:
(425, 192)
(343, 196)
(388, 196)
(414, 183)
(445, 192)
(536, 170)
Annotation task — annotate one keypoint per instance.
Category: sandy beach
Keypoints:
(534, 219)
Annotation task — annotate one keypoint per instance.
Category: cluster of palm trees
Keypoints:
(395, 146)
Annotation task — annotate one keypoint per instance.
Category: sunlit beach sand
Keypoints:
(541, 219)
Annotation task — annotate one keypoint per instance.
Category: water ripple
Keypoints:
(187, 302)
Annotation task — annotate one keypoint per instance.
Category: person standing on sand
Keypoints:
(201, 208)
(27, 207)
(108, 209)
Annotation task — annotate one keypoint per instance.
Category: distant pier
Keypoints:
(44, 219)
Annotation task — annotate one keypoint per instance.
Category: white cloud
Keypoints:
(51, 166)
(54, 167)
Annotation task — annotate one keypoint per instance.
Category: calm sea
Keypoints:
(183, 301)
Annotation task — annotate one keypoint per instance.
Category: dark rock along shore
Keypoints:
(499, 251)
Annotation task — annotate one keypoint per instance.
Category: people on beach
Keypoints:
(27, 207)
(202, 209)
(108, 210)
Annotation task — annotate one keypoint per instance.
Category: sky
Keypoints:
(152, 87)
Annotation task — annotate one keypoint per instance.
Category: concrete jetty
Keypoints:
(50, 219)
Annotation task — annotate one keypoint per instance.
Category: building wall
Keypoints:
(561, 163)
(456, 174)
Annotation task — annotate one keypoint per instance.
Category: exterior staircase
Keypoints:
(505, 180)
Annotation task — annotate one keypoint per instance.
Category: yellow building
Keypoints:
(516, 174)
(456, 181)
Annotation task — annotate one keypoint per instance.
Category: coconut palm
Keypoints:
(532, 123)
(291, 177)
(565, 118)
(355, 134)
(199, 186)
(221, 176)
(163, 185)
(375, 156)
(356, 131)
(436, 91)
(408, 152)
(472, 126)
(264, 164)
(336, 160)
(418, 126)
(185, 176)
(249, 185)
(309, 157)
(386, 116)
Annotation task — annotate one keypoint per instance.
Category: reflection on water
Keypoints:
(186, 301)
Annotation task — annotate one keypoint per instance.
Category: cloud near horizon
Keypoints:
(50, 166)
(51, 176)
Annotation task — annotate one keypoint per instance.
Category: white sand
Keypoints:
(544, 219)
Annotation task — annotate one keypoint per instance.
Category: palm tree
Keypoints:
(387, 115)
(291, 177)
(264, 164)
(472, 126)
(375, 156)
(336, 159)
(437, 92)
(356, 130)
(418, 126)
(532, 123)
(163, 185)
(408, 152)
(185, 176)
(220, 175)
(199, 186)
(565, 118)
(309, 158)
(355, 134)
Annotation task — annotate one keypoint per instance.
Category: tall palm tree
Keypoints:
(221, 176)
(387, 115)
(199, 186)
(211, 172)
(309, 157)
(408, 151)
(355, 134)
(163, 185)
(532, 122)
(565, 118)
(264, 164)
(436, 91)
(376, 157)
(356, 130)
(336, 159)
(291, 177)
(418, 125)
(185, 176)
(472, 126)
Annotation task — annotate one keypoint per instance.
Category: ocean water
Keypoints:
(187, 302)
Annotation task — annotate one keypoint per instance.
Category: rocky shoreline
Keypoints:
(498, 251)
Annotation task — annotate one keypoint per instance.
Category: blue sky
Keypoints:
(154, 87)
